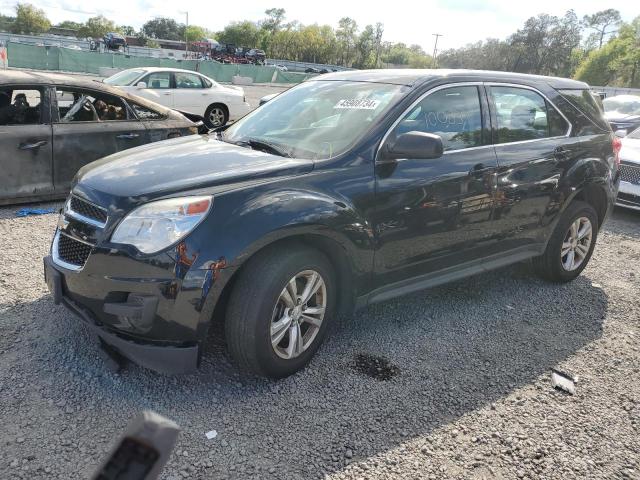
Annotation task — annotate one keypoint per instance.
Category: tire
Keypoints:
(216, 115)
(553, 265)
(258, 299)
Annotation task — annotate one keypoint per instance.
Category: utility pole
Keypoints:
(186, 43)
(435, 49)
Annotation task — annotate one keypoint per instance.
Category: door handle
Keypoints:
(31, 146)
(167, 93)
(128, 136)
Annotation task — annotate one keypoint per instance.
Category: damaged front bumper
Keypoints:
(155, 355)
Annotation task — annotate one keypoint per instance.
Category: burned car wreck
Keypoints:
(54, 124)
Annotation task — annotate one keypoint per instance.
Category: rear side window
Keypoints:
(19, 107)
(188, 80)
(452, 113)
(523, 114)
(588, 106)
(158, 80)
(145, 113)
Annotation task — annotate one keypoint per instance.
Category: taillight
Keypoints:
(617, 146)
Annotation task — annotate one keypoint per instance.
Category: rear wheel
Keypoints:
(279, 311)
(216, 115)
(571, 244)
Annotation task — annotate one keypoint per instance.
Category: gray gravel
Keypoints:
(471, 398)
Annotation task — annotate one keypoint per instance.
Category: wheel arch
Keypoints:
(596, 196)
(221, 104)
(335, 252)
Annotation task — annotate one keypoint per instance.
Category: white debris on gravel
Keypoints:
(471, 399)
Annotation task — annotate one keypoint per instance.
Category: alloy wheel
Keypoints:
(216, 116)
(576, 244)
(298, 314)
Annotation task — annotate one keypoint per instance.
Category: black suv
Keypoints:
(351, 188)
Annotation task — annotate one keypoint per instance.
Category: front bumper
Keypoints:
(628, 195)
(153, 355)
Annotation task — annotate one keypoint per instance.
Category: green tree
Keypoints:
(347, 36)
(245, 34)
(601, 21)
(617, 63)
(128, 30)
(365, 47)
(274, 20)
(70, 25)
(6, 22)
(30, 19)
(97, 27)
(163, 28)
(194, 33)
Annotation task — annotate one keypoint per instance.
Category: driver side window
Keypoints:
(454, 114)
(89, 106)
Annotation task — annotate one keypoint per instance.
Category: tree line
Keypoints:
(600, 48)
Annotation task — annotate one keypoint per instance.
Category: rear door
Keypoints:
(190, 93)
(88, 125)
(25, 140)
(533, 149)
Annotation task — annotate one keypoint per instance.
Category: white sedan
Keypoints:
(185, 91)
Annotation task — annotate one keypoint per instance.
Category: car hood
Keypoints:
(621, 117)
(178, 165)
(630, 151)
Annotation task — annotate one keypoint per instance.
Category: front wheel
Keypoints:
(571, 244)
(279, 311)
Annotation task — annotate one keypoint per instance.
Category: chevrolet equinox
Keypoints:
(348, 189)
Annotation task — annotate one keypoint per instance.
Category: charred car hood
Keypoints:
(178, 165)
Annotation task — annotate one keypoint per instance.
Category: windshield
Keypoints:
(316, 120)
(123, 78)
(626, 106)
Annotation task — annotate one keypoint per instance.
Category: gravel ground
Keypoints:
(466, 393)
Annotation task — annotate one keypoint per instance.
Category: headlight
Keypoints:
(157, 225)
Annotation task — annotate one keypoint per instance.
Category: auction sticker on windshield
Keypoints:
(358, 103)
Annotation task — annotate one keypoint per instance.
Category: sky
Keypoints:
(412, 22)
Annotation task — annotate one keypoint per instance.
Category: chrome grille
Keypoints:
(80, 207)
(71, 251)
(630, 173)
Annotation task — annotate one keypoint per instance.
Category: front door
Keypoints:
(160, 88)
(25, 141)
(436, 213)
(89, 125)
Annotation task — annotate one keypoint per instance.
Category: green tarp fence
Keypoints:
(67, 60)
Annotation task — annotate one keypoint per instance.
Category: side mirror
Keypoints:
(141, 85)
(415, 145)
(620, 133)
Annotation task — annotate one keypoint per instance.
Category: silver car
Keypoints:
(629, 192)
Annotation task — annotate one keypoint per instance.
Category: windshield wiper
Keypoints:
(268, 147)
